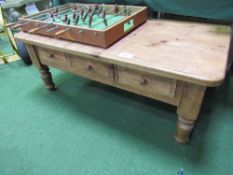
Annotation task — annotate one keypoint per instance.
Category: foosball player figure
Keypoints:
(85, 17)
(100, 10)
(129, 12)
(90, 20)
(56, 10)
(68, 22)
(55, 14)
(95, 9)
(82, 12)
(66, 18)
(125, 10)
(76, 20)
(104, 14)
(105, 22)
(74, 15)
(75, 8)
(116, 9)
(89, 10)
(96, 6)
(93, 13)
(52, 16)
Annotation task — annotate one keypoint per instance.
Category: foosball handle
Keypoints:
(33, 30)
(61, 32)
(10, 24)
(16, 26)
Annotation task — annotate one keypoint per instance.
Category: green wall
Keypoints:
(212, 9)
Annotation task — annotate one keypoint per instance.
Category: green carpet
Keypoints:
(5, 46)
(85, 128)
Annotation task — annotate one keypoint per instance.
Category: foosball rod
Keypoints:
(47, 13)
(109, 12)
(69, 10)
(52, 29)
(78, 10)
(97, 16)
(63, 14)
(18, 25)
(60, 15)
(75, 24)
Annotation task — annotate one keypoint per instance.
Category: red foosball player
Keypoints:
(75, 8)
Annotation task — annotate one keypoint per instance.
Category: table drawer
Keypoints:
(146, 83)
(52, 57)
(91, 69)
(125, 78)
(85, 67)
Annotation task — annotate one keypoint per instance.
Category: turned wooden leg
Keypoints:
(47, 77)
(44, 70)
(183, 130)
(188, 110)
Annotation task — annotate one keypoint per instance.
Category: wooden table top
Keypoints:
(188, 51)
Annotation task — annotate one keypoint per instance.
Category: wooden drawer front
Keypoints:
(91, 69)
(144, 82)
(52, 58)
(85, 67)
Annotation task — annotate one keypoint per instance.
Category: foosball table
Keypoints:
(170, 61)
(93, 24)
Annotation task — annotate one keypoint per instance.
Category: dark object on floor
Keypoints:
(22, 51)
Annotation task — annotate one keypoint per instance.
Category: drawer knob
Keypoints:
(143, 81)
(89, 67)
(51, 56)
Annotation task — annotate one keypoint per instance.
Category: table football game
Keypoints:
(94, 24)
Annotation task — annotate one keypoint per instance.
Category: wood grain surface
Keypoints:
(187, 51)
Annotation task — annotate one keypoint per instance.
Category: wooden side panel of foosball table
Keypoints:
(87, 36)
(116, 32)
